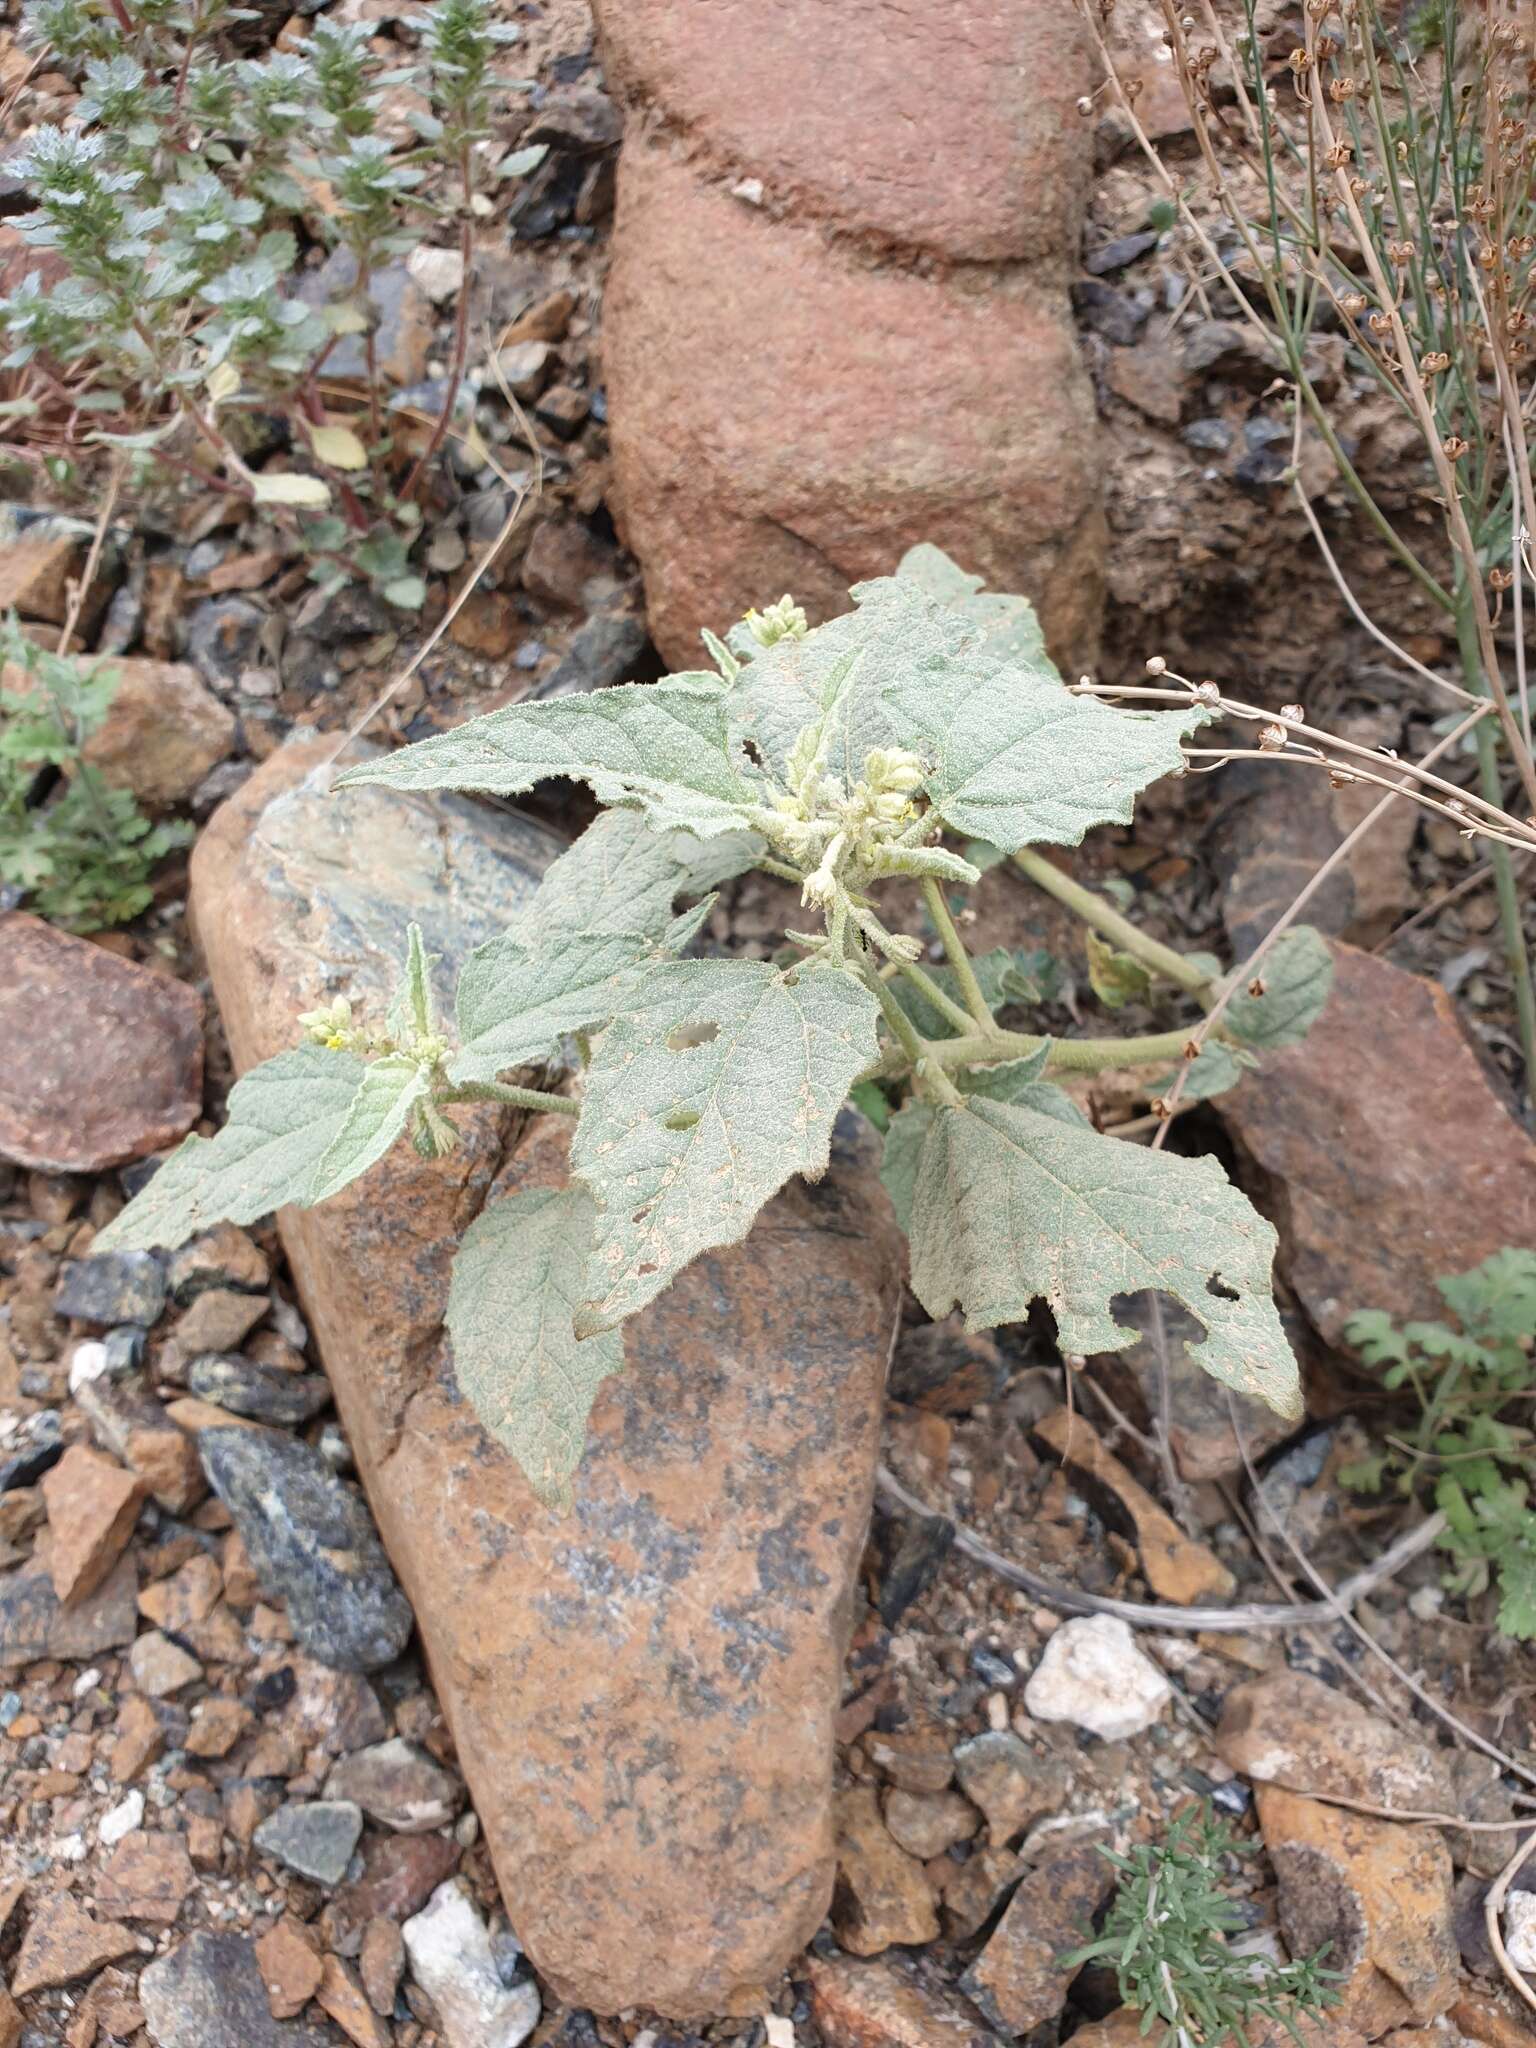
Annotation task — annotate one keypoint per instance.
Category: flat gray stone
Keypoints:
(315, 1837)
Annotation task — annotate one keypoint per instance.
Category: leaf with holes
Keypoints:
(1297, 978)
(1010, 1206)
(721, 1079)
(661, 747)
(283, 1118)
(518, 1361)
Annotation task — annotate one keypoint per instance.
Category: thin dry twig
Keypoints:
(81, 587)
(1493, 1907)
(1148, 1614)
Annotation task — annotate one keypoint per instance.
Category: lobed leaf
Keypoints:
(662, 747)
(721, 1079)
(516, 1281)
(1007, 627)
(1008, 1205)
(283, 1118)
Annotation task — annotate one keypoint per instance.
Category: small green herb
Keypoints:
(1166, 1938)
(80, 852)
(1468, 1381)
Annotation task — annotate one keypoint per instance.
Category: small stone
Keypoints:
(916, 1759)
(313, 1544)
(563, 409)
(336, 1711)
(342, 1997)
(1151, 377)
(545, 320)
(1114, 314)
(116, 1287)
(486, 624)
(35, 575)
(400, 1873)
(1018, 1979)
(437, 272)
(567, 564)
(147, 1878)
(262, 1392)
(315, 1837)
(1093, 1675)
(225, 636)
(925, 1824)
(29, 1450)
(125, 1079)
(1378, 1894)
(1520, 1930)
(93, 1505)
(399, 1786)
(872, 2005)
(63, 1942)
(217, 1725)
(34, 1624)
(161, 1667)
(525, 366)
(1120, 253)
(176, 1604)
(381, 1963)
(221, 1257)
(451, 1959)
(120, 1820)
(972, 1889)
(602, 652)
(127, 1420)
(945, 1368)
(219, 1319)
(205, 1841)
(290, 1967)
(882, 1896)
(1013, 1787)
(1290, 1729)
(140, 1739)
(163, 731)
(208, 1993)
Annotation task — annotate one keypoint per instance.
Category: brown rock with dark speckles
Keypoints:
(641, 1690)
(103, 1058)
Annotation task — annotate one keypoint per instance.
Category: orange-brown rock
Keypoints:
(163, 731)
(642, 1690)
(876, 2005)
(1378, 1894)
(1018, 1980)
(1288, 1728)
(1391, 1158)
(103, 1059)
(883, 1896)
(835, 323)
(92, 1507)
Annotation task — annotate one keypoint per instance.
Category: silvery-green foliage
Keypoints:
(836, 758)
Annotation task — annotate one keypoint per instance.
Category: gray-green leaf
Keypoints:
(1009, 1205)
(663, 747)
(722, 1078)
(379, 1111)
(283, 1118)
(1297, 976)
(1008, 627)
(514, 1004)
(621, 876)
(411, 1007)
(519, 1363)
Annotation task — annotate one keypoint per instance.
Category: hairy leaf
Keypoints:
(722, 1078)
(1010, 1205)
(620, 876)
(1213, 1070)
(663, 747)
(378, 1113)
(1014, 757)
(283, 1118)
(1008, 627)
(412, 1007)
(519, 1363)
(1023, 1082)
(1297, 977)
(1005, 977)
(898, 1162)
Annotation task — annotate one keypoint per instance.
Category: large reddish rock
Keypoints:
(103, 1058)
(1389, 1158)
(835, 324)
(642, 1690)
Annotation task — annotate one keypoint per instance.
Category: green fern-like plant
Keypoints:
(1166, 1939)
(1469, 1378)
(842, 760)
(77, 851)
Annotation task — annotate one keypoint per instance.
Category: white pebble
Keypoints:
(87, 1362)
(121, 1819)
(1520, 1930)
(451, 1959)
(1093, 1674)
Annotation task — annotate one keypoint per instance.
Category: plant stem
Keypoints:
(513, 1098)
(1075, 1055)
(929, 1071)
(1107, 921)
(945, 1005)
(460, 336)
(1511, 926)
(959, 958)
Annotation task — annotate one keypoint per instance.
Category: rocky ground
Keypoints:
(232, 1811)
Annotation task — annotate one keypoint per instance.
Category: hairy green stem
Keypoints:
(959, 958)
(929, 1071)
(513, 1098)
(1511, 925)
(1108, 922)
